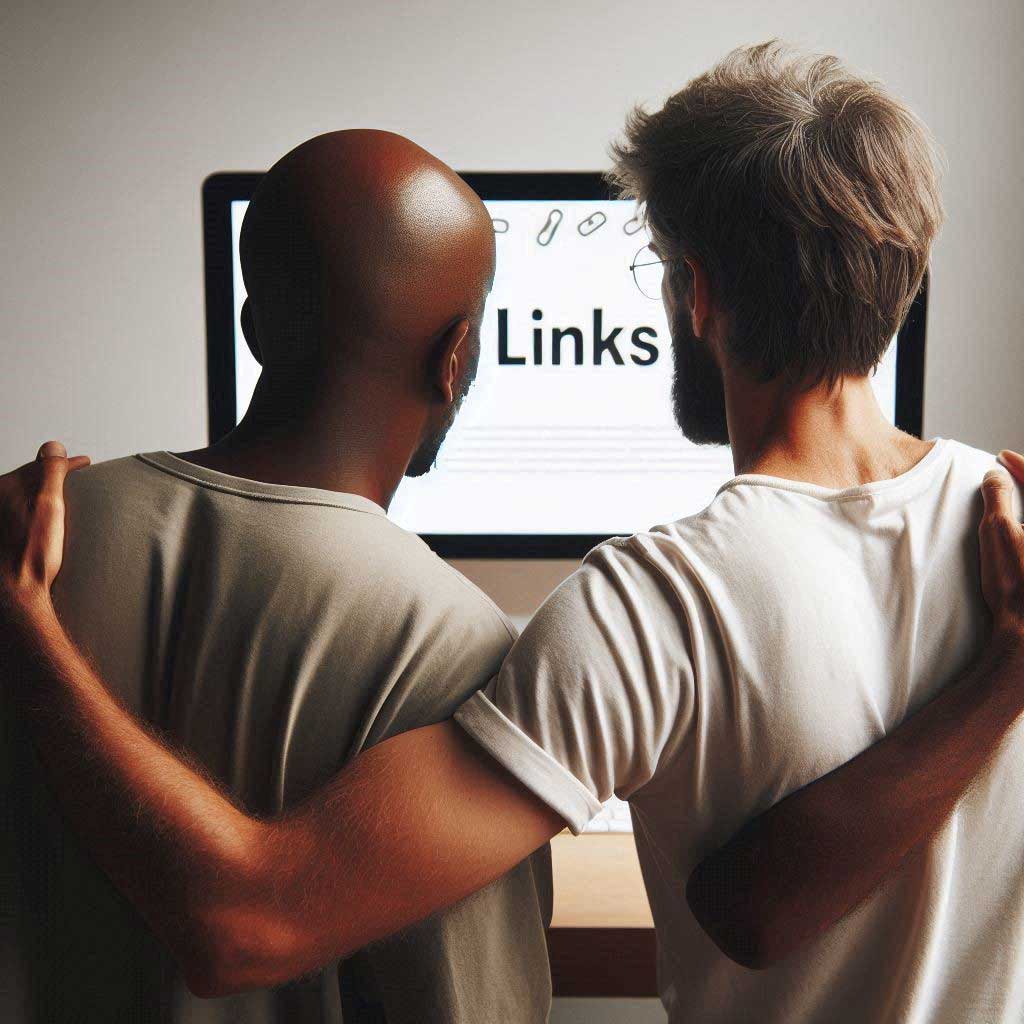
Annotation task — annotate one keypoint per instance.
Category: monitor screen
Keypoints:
(568, 432)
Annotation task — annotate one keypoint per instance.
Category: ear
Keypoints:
(698, 296)
(249, 332)
(453, 354)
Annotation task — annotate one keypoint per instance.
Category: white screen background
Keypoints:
(566, 449)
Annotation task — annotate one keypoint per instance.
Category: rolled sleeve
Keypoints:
(589, 695)
(533, 766)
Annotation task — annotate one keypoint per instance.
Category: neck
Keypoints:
(835, 438)
(338, 442)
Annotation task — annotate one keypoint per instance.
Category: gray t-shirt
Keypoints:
(274, 632)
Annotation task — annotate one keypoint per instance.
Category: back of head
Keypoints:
(809, 195)
(358, 247)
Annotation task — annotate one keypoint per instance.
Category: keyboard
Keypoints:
(613, 817)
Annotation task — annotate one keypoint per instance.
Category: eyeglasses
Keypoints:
(648, 272)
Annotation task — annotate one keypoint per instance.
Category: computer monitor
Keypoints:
(567, 436)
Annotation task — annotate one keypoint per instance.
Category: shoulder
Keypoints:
(672, 557)
(624, 599)
(662, 586)
(328, 545)
(748, 534)
(113, 476)
(969, 463)
(967, 467)
(127, 492)
(429, 578)
(122, 498)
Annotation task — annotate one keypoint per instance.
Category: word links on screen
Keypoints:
(568, 428)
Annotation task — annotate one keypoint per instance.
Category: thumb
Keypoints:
(51, 450)
(998, 494)
(53, 460)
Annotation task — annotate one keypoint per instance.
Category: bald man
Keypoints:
(252, 601)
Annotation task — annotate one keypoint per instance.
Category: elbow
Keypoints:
(227, 952)
(210, 975)
(720, 899)
(240, 931)
(208, 980)
(226, 934)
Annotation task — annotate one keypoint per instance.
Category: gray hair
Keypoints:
(808, 193)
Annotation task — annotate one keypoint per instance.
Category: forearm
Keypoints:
(805, 863)
(244, 903)
(168, 838)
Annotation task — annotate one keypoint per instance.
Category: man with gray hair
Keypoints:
(703, 670)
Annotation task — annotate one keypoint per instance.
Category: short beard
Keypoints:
(698, 391)
(424, 458)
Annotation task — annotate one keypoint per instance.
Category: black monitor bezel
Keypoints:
(221, 189)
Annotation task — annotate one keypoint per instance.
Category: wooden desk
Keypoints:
(601, 939)
(598, 883)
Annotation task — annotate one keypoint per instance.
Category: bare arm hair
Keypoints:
(409, 827)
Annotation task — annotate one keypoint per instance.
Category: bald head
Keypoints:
(361, 244)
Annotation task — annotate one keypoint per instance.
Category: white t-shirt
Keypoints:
(707, 668)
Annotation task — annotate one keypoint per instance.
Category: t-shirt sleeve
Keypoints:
(597, 688)
(445, 648)
(484, 958)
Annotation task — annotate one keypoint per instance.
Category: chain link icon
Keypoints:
(550, 227)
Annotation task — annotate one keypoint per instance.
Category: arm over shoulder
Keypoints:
(597, 687)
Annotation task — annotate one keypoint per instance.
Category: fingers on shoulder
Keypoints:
(1014, 462)
(52, 450)
(1000, 521)
(997, 490)
(53, 465)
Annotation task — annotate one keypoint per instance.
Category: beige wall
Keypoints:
(113, 113)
